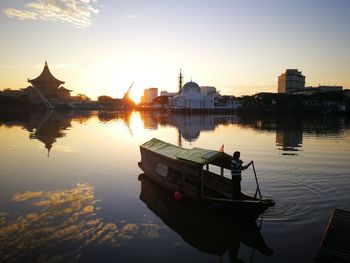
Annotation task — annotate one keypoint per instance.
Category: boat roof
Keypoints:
(197, 155)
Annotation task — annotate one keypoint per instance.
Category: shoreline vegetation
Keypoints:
(321, 103)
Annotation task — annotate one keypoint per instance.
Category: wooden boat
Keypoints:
(207, 232)
(186, 171)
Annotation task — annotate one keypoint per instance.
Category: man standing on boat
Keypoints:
(236, 172)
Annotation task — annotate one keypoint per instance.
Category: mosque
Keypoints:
(190, 97)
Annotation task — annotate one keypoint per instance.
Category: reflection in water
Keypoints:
(107, 116)
(61, 226)
(189, 125)
(289, 135)
(205, 231)
(71, 225)
(48, 127)
(289, 129)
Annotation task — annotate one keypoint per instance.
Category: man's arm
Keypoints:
(246, 166)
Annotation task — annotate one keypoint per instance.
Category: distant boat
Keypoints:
(185, 172)
(201, 229)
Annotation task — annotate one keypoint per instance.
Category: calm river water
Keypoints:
(69, 188)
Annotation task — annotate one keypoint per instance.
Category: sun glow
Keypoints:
(99, 81)
(136, 92)
(113, 76)
(136, 123)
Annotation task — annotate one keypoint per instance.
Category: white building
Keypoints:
(233, 104)
(208, 90)
(227, 102)
(191, 97)
(167, 94)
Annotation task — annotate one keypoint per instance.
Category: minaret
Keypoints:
(180, 81)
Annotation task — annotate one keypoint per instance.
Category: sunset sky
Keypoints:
(99, 47)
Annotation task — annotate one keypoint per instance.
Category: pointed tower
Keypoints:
(46, 82)
(180, 81)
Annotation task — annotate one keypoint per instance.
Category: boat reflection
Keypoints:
(206, 232)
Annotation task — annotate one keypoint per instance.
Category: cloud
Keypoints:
(71, 12)
(131, 16)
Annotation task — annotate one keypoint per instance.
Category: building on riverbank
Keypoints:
(191, 98)
(290, 81)
(321, 88)
(49, 86)
(168, 94)
(149, 95)
(208, 90)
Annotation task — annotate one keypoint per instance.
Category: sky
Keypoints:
(99, 47)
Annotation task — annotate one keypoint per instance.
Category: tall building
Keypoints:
(149, 95)
(290, 81)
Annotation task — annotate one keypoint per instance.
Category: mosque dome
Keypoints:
(191, 87)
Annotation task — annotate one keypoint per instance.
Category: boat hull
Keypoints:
(185, 177)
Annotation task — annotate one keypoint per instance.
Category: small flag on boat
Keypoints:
(221, 149)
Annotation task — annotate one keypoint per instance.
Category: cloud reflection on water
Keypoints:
(61, 225)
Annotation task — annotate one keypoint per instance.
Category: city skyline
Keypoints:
(240, 47)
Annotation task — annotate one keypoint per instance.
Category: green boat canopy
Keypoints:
(195, 155)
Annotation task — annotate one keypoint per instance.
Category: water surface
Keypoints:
(70, 189)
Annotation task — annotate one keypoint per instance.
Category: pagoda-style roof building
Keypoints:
(46, 82)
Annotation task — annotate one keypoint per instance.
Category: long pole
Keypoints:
(257, 183)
